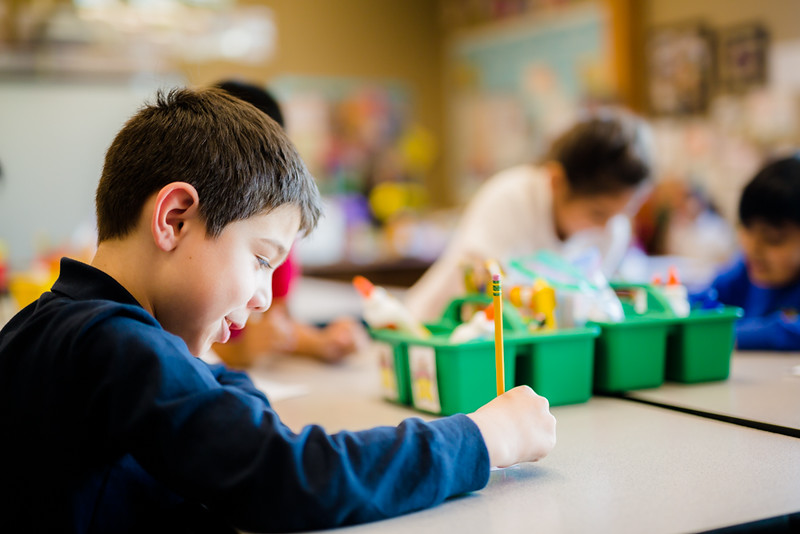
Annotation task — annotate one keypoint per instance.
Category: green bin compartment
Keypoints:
(558, 365)
(393, 361)
(465, 373)
(699, 347)
(631, 354)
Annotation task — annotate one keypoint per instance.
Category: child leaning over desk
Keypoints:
(765, 279)
(112, 423)
(591, 176)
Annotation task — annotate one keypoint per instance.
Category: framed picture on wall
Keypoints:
(680, 68)
(742, 56)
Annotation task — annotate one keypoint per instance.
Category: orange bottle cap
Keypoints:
(489, 311)
(364, 286)
(672, 276)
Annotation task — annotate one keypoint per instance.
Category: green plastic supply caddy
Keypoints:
(645, 349)
(437, 376)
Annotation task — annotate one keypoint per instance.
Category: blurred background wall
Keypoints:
(401, 107)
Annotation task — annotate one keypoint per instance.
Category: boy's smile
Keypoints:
(218, 282)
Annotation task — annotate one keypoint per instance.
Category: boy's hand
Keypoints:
(517, 427)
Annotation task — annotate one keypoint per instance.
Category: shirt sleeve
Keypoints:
(731, 284)
(212, 441)
(776, 331)
(240, 379)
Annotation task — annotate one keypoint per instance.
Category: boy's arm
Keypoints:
(227, 449)
(777, 331)
(239, 379)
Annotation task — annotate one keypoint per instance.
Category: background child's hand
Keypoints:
(517, 427)
(341, 338)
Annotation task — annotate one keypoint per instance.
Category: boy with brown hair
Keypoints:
(111, 421)
(592, 177)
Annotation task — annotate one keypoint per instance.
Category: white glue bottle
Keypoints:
(382, 310)
(676, 293)
(480, 326)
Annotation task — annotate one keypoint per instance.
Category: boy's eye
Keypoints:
(772, 236)
(263, 262)
(773, 240)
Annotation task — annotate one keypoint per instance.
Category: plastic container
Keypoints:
(445, 378)
(647, 348)
(631, 354)
(442, 377)
(699, 346)
(392, 356)
(383, 310)
(558, 364)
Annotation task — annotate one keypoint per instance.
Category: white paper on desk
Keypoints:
(275, 391)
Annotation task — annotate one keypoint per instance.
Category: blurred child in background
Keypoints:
(765, 279)
(276, 330)
(590, 177)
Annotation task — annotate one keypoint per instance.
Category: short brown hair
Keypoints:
(239, 160)
(607, 151)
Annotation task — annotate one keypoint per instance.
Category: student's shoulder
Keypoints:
(735, 269)
(123, 342)
(82, 315)
(733, 274)
(514, 177)
(514, 185)
(107, 328)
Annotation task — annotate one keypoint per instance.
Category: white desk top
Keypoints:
(618, 466)
(762, 387)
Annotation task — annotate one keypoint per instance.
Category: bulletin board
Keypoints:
(517, 84)
(349, 131)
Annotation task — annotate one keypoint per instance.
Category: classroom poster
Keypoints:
(517, 84)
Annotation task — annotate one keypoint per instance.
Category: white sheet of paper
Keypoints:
(275, 391)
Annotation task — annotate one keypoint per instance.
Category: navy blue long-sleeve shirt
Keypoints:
(770, 319)
(111, 425)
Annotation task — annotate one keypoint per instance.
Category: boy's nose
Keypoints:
(262, 298)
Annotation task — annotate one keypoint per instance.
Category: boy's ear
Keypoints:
(176, 205)
(558, 179)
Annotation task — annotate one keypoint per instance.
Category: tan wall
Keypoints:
(394, 39)
(782, 17)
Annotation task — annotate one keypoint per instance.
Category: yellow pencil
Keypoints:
(497, 294)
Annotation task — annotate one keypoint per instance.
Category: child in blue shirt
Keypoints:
(110, 421)
(765, 280)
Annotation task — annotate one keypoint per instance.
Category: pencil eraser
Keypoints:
(496, 277)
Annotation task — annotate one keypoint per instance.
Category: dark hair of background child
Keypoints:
(773, 195)
(605, 153)
(259, 97)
